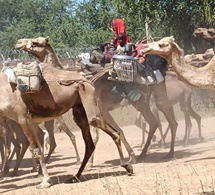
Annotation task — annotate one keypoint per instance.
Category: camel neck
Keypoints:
(196, 77)
(50, 58)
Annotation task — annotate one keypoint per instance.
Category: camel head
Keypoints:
(164, 47)
(35, 46)
(208, 34)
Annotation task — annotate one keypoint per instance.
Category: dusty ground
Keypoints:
(191, 172)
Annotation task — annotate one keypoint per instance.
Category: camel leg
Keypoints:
(35, 137)
(2, 155)
(63, 127)
(7, 151)
(197, 117)
(80, 119)
(142, 106)
(156, 115)
(164, 106)
(49, 126)
(20, 145)
(2, 148)
(188, 124)
(95, 137)
(24, 148)
(109, 119)
(141, 123)
(16, 150)
(99, 118)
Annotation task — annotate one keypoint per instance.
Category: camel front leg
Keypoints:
(143, 107)
(35, 137)
(163, 104)
(7, 143)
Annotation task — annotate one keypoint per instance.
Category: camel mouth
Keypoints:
(146, 49)
(19, 47)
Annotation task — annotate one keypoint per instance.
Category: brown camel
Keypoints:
(111, 101)
(202, 77)
(60, 91)
(45, 53)
(178, 92)
(207, 34)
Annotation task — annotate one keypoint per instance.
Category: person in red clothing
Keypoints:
(119, 26)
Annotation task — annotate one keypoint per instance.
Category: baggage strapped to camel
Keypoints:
(125, 68)
(29, 77)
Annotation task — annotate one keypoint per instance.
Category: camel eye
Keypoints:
(35, 43)
(163, 44)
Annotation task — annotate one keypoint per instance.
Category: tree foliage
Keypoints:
(87, 23)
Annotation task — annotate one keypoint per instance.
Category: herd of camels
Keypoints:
(62, 90)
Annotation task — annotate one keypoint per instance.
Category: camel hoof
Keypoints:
(141, 157)
(72, 180)
(13, 174)
(132, 161)
(43, 185)
(1, 176)
(129, 169)
(154, 138)
(6, 169)
(169, 156)
(201, 139)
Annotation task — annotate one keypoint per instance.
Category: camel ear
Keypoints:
(172, 38)
(47, 39)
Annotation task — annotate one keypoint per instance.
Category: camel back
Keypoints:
(29, 77)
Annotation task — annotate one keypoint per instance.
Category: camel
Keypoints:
(207, 34)
(20, 143)
(111, 101)
(200, 60)
(45, 53)
(49, 125)
(178, 92)
(202, 77)
(30, 109)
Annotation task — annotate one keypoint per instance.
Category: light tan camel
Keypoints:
(48, 124)
(207, 34)
(177, 92)
(60, 91)
(15, 135)
(199, 60)
(45, 53)
(202, 77)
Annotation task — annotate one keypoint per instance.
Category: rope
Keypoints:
(94, 78)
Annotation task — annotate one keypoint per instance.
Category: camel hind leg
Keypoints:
(80, 119)
(100, 119)
(35, 137)
(197, 117)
